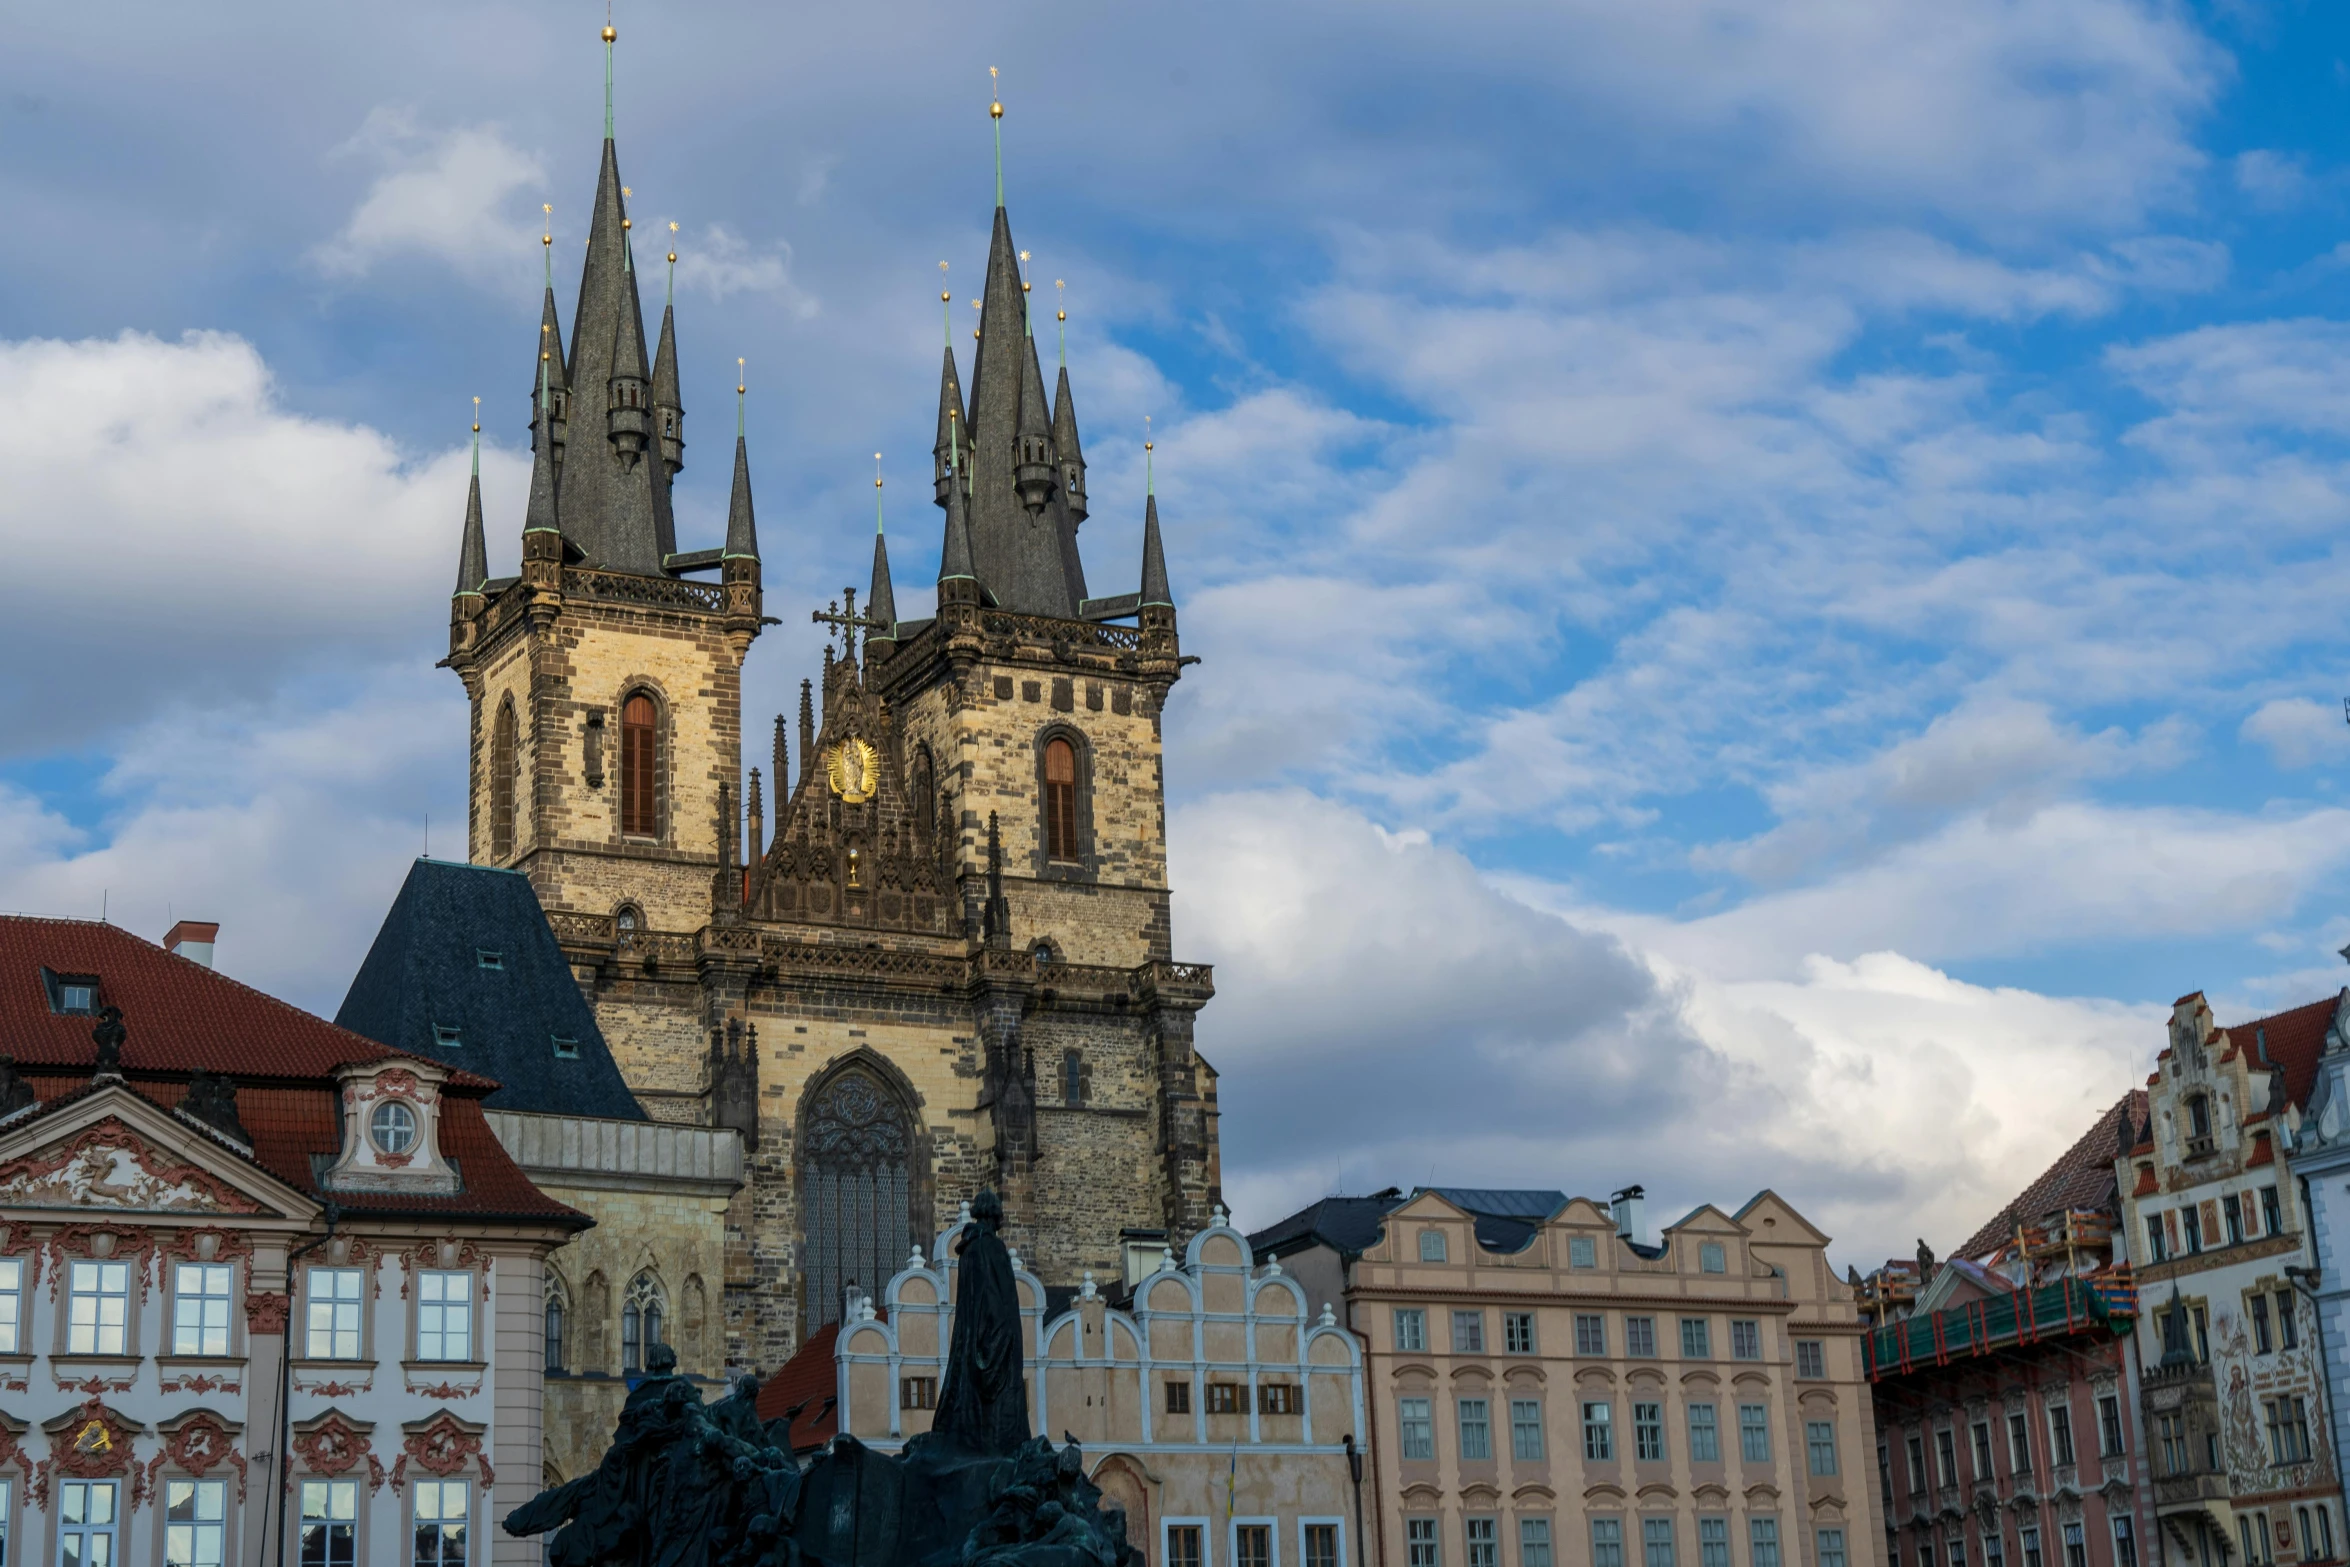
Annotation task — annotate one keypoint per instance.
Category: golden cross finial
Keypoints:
(626, 222)
(477, 416)
(995, 108)
(548, 208)
(1062, 313)
(673, 242)
(742, 380)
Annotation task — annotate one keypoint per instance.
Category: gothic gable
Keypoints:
(851, 848)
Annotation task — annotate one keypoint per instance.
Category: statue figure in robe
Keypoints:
(983, 1400)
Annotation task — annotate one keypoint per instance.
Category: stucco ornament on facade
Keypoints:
(111, 1166)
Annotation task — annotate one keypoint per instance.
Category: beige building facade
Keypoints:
(1545, 1389)
(1219, 1406)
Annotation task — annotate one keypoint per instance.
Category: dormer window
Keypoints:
(447, 1034)
(488, 959)
(393, 1126)
(566, 1049)
(71, 994)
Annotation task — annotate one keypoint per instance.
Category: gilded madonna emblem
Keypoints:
(854, 768)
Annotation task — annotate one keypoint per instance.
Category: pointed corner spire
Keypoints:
(995, 115)
(954, 556)
(539, 515)
(668, 408)
(946, 452)
(1032, 464)
(473, 567)
(1066, 448)
(1154, 554)
(742, 529)
(881, 603)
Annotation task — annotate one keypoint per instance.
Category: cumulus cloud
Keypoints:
(453, 196)
(2299, 732)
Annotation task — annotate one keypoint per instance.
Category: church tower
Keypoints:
(950, 966)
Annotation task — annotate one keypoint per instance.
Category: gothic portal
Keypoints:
(966, 875)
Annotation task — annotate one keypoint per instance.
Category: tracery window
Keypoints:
(857, 1192)
(640, 1322)
(1060, 800)
(640, 729)
(503, 764)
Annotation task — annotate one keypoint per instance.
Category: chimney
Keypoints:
(1631, 1216)
(192, 939)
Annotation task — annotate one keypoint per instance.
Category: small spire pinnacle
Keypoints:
(742, 528)
(547, 242)
(609, 35)
(672, 299)
(995, 113)
(1149, 488)
(477, 437)
(1061, 314)
(742, 387)
(946, 307)
(539, 515)
(473, 551)
(876, 495)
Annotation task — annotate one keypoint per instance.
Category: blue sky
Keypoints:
(1768, 574)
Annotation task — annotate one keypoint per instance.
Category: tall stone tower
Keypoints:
(951, 965)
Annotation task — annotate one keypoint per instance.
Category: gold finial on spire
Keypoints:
(995, 114)
(1024, 272)
(877, 494)
(609, 35)
(995, 108)
(477, 416)
(1149, 485)
(673, 242)
(742, 385)
(626, 222)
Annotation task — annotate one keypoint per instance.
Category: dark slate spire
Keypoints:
(539, 516)
(1016, 550)
(1065, 448)
(955, 563)
(1154, 558)
(1032, 467)
(614, 504)
(742, 529)
(882, 603)
(558, 386)
(945, 455)
(473, 553)
(808, 725)
(666, 406)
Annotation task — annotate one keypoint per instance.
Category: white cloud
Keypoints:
(448, 195)
(718, 262)
(2299, 732)
(2273, 180)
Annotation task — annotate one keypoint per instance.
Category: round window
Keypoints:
(393, 1127)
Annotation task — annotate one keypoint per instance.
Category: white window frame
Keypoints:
(1713, 1257)
(416, 1489)
(304, 1517)
(97, 1326)
(12, 1312)
(1207, 1539)
(1272, 1528)
(1303, 1524)
(206, 1274)
(2119, 1524)
(334, 1304)
(1433, 1246)
(112, 1529)
(198, 1489)
(425, 1277)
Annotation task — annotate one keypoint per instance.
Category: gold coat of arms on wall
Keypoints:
(854, 769)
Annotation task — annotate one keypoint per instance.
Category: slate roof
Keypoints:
(426, 971)
(1504, 1219)
(2081, 1177)
(183, 1017)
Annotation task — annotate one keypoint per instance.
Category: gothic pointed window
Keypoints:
(502, 770)
(856, 1192)
(640, 1323)
(640, 726)
(1060, 800)
(558, 1312)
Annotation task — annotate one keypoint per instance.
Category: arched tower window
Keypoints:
(503, 766)
(1060, 800)
(640, 746)
(1076, 1079)
(924, 793)
(856, 1192)
(640, 1323)
(558, 1314)
(2199, 1116)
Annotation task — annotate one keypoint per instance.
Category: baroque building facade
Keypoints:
(951, 964)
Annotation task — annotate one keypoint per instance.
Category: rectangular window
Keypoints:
(1832, 1548)
(332, 1331)
(2272, 1218)
(566, 1047)
(2202, 1335)
(98, 1310)
(2076, 1546)
(443, 1508)
(1468, 1332)
(1411, 1330)
(1484, 1542)
(1431, 1241)
(2019, 1443)
(199, 1308)
(11, 1305)
(2261, 1343)
(1526, 1428)
(1517, 1332)
(1762, 1535)
(1223, 1398)
(1277, 1398)
(1713, 1542)
(444, 1320)
(1590, 1333)
(2288, 1322)
(1754, 1433)
(1640, 1337)
(1183, 1545)
(1607, 1542)
(1917, 1466)
(1476, 1418)
(1811, 1358)
(1746, 1341)
(2110, 1440)
(917, 1392)
(2194, 1218)
(1582, 1251)
(2060, 1435)
(1712, 1259)
(2157, 1249)
(2288, 1430)
(1533, 1542)
(1656, 1542)
(1648, 1433)
(195, 1523)
(2233, 1218)
(1418, 1419)
(2029, 1537)
(1696, 1339)
(1178, 1397)
(1321, 1545)
(1252, 1545)
(1820, 1438)
(1982, 1435)
(1599, 1434)
(1946, 1456)
(2125, 1541)
(86, 1523)
(1705, 1435)
(1420, 1542)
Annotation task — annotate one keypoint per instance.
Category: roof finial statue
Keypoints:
(1061, 314)
(108, 1036)
(609, 35)
(995, 112)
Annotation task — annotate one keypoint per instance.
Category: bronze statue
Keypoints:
(983, 1399)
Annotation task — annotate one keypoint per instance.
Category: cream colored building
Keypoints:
(1219, 1406)
(1547, 1388)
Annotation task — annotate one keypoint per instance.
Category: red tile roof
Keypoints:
(809, 1378)
(2082, 1177)
(182, 1018)
(2293, 1039)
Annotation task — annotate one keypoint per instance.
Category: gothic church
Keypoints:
(951, 964)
